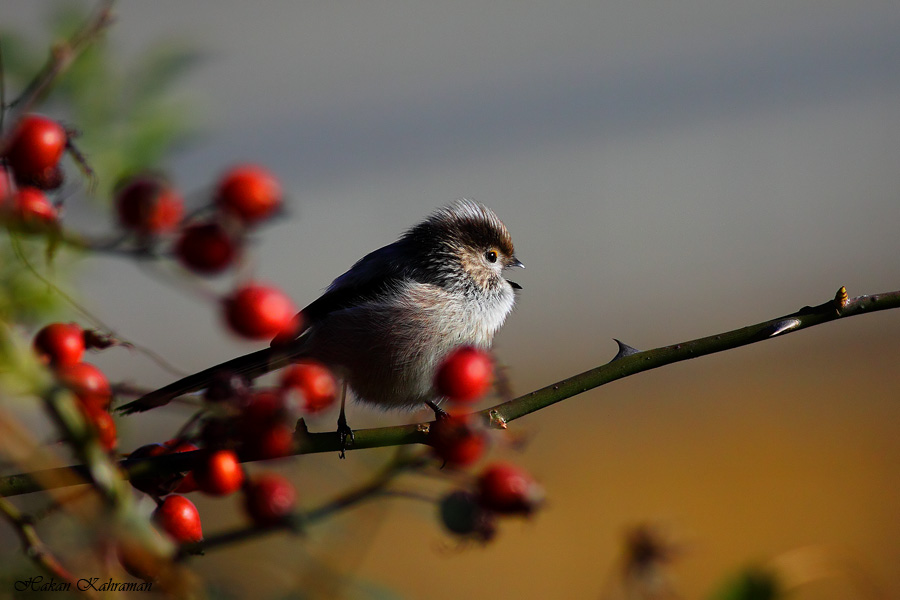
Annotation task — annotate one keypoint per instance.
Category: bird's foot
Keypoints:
(344, 433)
(439, 413)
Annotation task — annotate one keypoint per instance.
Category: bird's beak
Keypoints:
(515, 262)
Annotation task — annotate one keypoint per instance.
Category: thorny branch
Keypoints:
(624, 365)
(61, 57)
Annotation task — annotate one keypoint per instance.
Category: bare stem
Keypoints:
(33, 547)
(61, 57)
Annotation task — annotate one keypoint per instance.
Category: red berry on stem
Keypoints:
(457, 441)
(314, 382)
(178, 517)
(219, 474)
(257, 311)
(506, 488)
(188, 484)
(464, 375)
(249, 192)
(60, 344)
(263, 408)
(88, 383)
(104, 426)
(149, 205)
(36, 147)
(206, 248)
(274, 441)
(32, 207)
(463, 515)
(269, 499)
(140, 562)
(6, 186)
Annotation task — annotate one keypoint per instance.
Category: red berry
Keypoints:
(263, 429)
(505, 488)
(463, 515)
(187, 483)
(258, 312)
(88, 383)
(178, 517)
(457, 441)
(269, 499)
(219, 474)
(464, 375)
(104, 426)
(36, 147)
(149, 206)
(141, 563)
(274, 441)
(206, 248)
(249, 192)
(160, 485)
(314, 382)
(261, 410)
(60, 344)
(155, 484)
(6, 186)
(33, 207)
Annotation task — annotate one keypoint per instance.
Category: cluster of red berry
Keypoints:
(459, 440)
(32, 155)
(245, 423)
(249, 424)
(246, 195)
(150, 207)
(62, 346)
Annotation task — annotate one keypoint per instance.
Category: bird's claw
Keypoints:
(344, 432)
(439, 413)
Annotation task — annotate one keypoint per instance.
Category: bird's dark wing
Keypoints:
(374, 275)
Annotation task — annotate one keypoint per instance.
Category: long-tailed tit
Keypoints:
(384, 325)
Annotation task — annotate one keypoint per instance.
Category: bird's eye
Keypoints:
(491, 256)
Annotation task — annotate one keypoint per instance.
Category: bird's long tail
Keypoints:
(251, 366)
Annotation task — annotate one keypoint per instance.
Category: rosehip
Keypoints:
(6, 187)
(88, 383)
(464, 375)
(159, 485)
(60, 344)
(227, 387)
(178, 517)
(314, 382)
(456, 441)
(104, 426)
(273, 441)
(219, 474)
(36, 147)
(269, 499)
(32, 207)
(249, 193)
(141, 563)
(257, 312)
(262, 409)
(149, 205)
(206, 248)
(505, 488)
(156, 484)
(463, 515)
(187, 483)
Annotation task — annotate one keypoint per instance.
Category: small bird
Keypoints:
(384, 326)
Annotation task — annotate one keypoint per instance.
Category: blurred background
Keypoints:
(668, 170)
